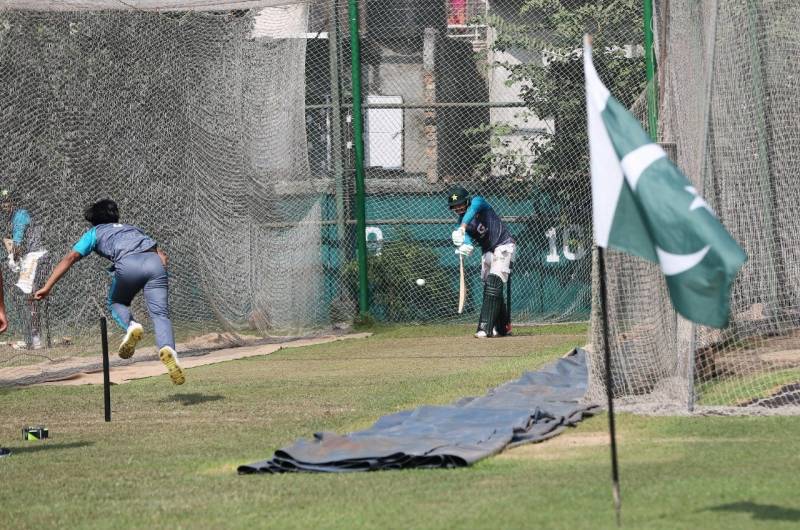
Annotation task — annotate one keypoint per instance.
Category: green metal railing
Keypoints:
(358, 149)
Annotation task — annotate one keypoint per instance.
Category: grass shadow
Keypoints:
(44, 445)
(760, 512)
(192, 399)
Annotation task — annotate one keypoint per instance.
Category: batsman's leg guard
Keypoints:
(503, 324)
(492, 305)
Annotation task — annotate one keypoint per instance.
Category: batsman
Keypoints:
(479, 223)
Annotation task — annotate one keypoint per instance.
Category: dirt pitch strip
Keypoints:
(148, 364)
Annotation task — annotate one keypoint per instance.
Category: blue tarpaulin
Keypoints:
(537, 406)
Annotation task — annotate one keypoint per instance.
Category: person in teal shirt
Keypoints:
(478, 224)
(139, 265)
(28, 258)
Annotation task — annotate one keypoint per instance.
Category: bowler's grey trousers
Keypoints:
(142, 272)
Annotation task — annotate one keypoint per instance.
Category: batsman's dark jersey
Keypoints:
(484, 227)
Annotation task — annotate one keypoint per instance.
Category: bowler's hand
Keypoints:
(163, 256)
(41, 293)
(3, 321)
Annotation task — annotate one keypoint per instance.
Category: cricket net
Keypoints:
(193, 121)
(728, 81)
(224, 129)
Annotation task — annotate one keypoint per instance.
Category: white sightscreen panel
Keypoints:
(385, 133)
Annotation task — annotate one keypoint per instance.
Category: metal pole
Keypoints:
(358, 146)
(106, 373)
(336, 131)
(430, 127)
(650, 66)
(601, 262)
(440, 221)
(435, 105)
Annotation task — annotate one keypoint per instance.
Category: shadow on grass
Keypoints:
(192, 399)
(760, 512)
(44, 445)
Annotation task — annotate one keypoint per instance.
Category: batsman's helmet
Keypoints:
(457, 196)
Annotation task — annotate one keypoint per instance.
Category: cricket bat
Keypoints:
(462, 285)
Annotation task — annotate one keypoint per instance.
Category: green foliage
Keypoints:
(391, 276)
(553, 88)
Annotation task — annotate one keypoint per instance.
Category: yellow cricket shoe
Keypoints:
(170, 360)
(132, 337)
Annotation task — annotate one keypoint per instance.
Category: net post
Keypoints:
(358, 148)
(106, 373)
(615, 487)
(671, 148)
(336, 130)
(650, 71)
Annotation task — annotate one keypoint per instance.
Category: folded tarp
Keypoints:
(537, 406)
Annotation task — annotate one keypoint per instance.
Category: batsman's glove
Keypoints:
(465, 250)
(458, 237)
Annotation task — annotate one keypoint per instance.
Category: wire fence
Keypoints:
(727, 77)
(227, 132)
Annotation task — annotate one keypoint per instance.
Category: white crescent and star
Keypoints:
(698, 201)
(633, 165)
(673, 264)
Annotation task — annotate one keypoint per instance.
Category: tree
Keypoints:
(553, 88)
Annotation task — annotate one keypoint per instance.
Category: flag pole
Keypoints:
(601, 262)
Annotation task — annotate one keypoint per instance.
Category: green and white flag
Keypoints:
(642, 204)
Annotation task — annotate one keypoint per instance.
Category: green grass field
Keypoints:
(168, 459)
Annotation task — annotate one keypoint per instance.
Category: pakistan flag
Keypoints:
(644, 205)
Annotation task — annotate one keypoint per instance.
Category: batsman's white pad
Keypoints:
(486, 265)
(498, 262)
(29, 264)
